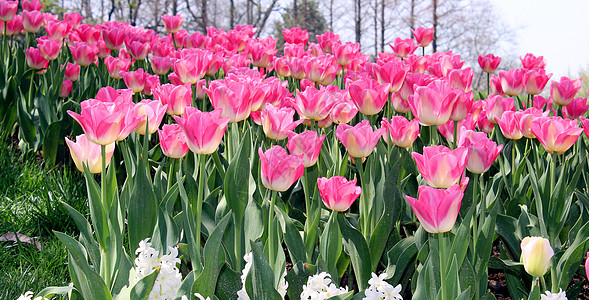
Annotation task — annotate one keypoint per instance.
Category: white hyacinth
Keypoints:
(320, 287)
(379, 289)
(29, 296)
(168, 280)
(199, 296)
(554, 296)
(242, 294)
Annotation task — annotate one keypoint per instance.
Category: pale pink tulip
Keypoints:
(489, 62)
(359, 140)
(279, 170)
(345, 53)
(535, 81)
(83, 53)
(576, 108)
(525, 121)
(176, 97)
(172, 23)
(135, 80)
(496, 105)
(233, 97)
(403, 47)
(308, 144)
(343, 112)
(32, 20)
(440, 166)
(461, 78)
(8, 10)
(423, 36)
(278, 122)
(369, 96)
(151, 113)
(84, 151)
(564, 91)
(400, 131)
(35, 59)
(328, 40)
(530, 62)
(392, 73)
(512, 82)
(482, 151)
(316, 104)
(172, 141)
(510, 124)
(432, 104)
(556, 134)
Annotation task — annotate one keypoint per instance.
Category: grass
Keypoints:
(30, 198)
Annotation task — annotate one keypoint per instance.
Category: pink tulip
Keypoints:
(576, 108)
(72, 71)
(32, 20)
(437, 209)
(564, 91)
(8, 10)
(489, 62)
(56, 29)
(359, 140)
(172, 141)
(535, 80)
(306, 144)
(278, 122)
(400, 131)
(262, 53)
(84, 151)
(345, 53)
(441, 167)
(338, 193)
(279, 171)
(13, 27)
(177, 98)
(135, 80)
(556, 134)
(104, 122)
(328, 40)
(542, 103)
(391, 72)
(281, 67)
(193, 67)
(138, 50)
(172, 23)
(320, 69)
(33, 5)
(510, 124)
(66, 88)
(447, 130)
(369, 96)
(461, 78)
(403, 48)
(116, 66)
(114, 37)
(203, 130)
(83, 53)
(316, 104)
(295, 35)
(423, 36)
(432, 104)
(35, 59)
(585, 125)
(484, 124)
(530, 62)
(462, 106)
(73, 18)
(417, 64)
(343, 112)
(233, 97)
(87, 33)
(587, 265)
(151, 112)
(526, 119)
(512, 82)
(315, 49)
(160, 65)
(49, 48)
(151, 82)
(296, 67)
(495, 106)
(110, 94)
(482, 151)
(496, 88)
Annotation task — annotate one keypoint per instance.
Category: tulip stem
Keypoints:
(513, 168)
(104, 255)
(488, 84)
(199, 200)
(271, 234)
(475, 201)
(442, 251)
(364, 210)
(455, 137)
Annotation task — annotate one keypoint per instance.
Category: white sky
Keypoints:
(555, 29)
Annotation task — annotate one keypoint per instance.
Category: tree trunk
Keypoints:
(376, 27)
(382, 25)
(330, 15)
(203, 15)
(358, 12)
(232, 14)
(295, 12)
(412, 18)
(435, 25)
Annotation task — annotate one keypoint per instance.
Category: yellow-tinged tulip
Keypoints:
(536, 255)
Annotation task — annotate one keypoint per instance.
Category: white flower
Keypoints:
(29, 296)
(199, 296)
(242, 294)
(168, 280)
(320, 287)
(554, 296)
(379, 289)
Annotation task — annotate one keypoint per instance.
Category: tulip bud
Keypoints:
(536, 255)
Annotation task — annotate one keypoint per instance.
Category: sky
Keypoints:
(555, 29)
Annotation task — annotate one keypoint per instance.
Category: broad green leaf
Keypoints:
(357, 249)
(86, 236)
(236, 183)
(142, 211)
(260, 279)
(228, 284)
(143, 287)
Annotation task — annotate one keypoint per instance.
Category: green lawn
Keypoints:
(30, 198)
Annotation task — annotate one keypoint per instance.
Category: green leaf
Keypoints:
(51, 142)
(49, 292)
(86, 236)
(535, 292)
(186, 286)
(143, 287)
(357, 249)
(401, 257)
(569, 262)
(142, 211)
(228, 284)
(292, 237)
(236, 182)
(97, 212)
(260, 279)
(330, 245)
(91, 285)
(297, 277)
(346, 296)
(207, 280)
